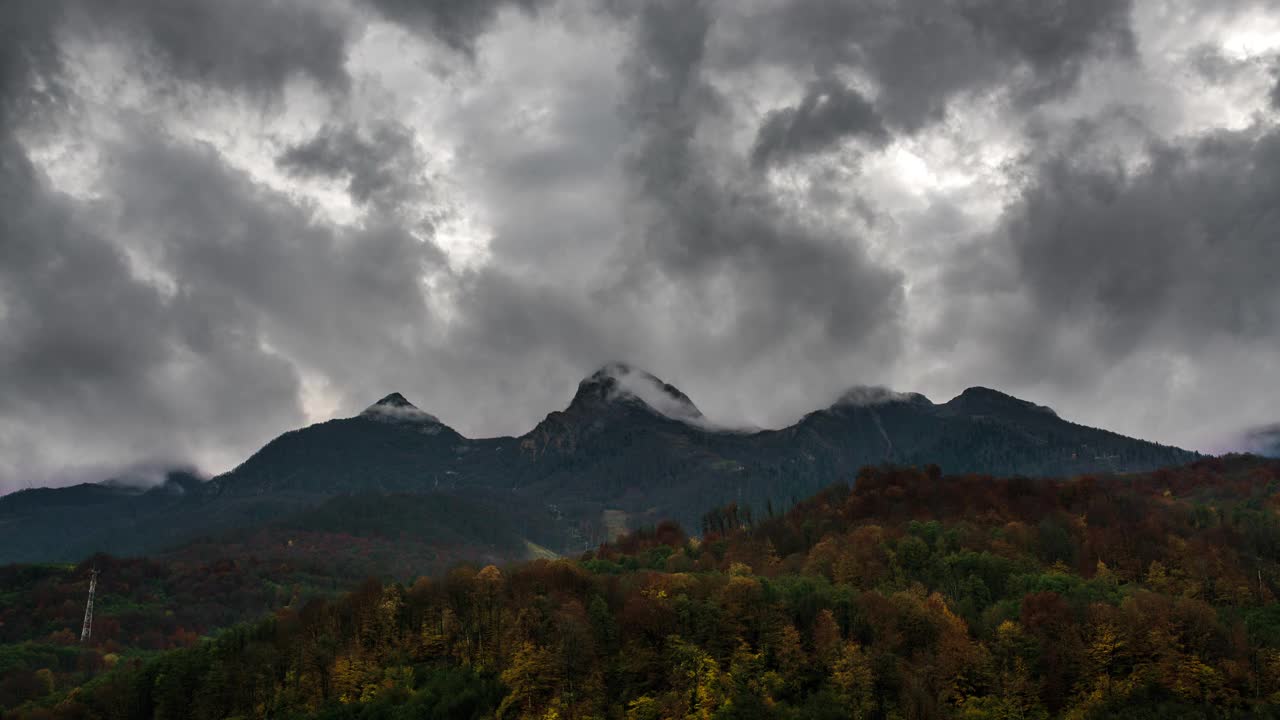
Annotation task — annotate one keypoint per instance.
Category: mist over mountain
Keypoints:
(628, 450)
(1264, 440)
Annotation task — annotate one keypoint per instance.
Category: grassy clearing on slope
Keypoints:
(538, 552)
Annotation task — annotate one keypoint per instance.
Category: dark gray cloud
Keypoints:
(1218, 69)
(705, 263)
(457, 23)
(1054, 39)
(30, 60)
(1211, 63)
(1181, 249)
(381, 167)
(922, 53)
(1152, 273)
(236, 45)
(829, 112)
(135, 328)
(252, 294)
(99, 366)
(332, 295)
(698, 224)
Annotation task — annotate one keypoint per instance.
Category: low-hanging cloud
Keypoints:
(1263, 440)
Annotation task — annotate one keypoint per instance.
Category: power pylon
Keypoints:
(87, 630)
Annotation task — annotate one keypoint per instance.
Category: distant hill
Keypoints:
(628, 450)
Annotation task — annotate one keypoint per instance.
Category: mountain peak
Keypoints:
(621, 382)
(868, 395)
(395, 399)
(980, 400)
(395, 407)
(979, 391)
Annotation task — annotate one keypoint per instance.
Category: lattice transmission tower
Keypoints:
(87, 630)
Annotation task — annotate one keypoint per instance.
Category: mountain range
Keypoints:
(628, 451)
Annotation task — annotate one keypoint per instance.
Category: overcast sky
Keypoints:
(221, 220)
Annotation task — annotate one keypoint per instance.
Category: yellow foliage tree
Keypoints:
(853, 679)
(530, 678)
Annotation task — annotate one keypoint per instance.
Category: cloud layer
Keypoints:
(221, 220)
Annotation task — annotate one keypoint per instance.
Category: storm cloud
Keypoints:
(381, 167)
(921, 54)
(221, 220)
(829, 112)
(456, 23)
(1139, 255)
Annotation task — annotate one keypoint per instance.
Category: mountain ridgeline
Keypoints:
(628, 451)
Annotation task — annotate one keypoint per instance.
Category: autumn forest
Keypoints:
(902, 593)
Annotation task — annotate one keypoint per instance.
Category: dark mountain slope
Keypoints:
(980, 430)
(71, 523)
(390, 447)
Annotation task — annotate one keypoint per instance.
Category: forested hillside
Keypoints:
(907, 595)
(171, 600)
